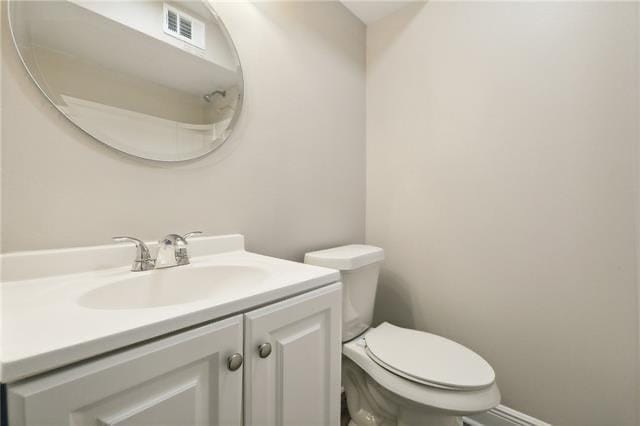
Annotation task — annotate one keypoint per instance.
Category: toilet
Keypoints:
(398, 376)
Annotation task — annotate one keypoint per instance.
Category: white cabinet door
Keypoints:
(298, 383)
(181, 380)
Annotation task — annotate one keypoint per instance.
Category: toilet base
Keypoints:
(370, 404)
(450, 421)
(415, 417)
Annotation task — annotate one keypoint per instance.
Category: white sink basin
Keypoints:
(175, 286)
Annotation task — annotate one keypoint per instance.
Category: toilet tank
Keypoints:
(359, 267)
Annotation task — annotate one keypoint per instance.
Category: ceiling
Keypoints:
(371, 11)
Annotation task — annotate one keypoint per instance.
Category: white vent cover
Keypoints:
(183, 26)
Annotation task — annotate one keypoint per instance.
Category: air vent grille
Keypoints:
(172, 21)
(183, 26)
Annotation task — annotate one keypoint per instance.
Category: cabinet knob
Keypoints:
(264, 350)
(234, 362)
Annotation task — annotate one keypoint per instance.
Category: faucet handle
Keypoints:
(142, 261)
(125, 239)
(191, 234)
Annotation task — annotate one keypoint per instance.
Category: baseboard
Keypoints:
(503, 416)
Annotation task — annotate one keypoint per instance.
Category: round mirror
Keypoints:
(156, 80)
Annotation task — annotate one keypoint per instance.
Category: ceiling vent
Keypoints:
(183, 26)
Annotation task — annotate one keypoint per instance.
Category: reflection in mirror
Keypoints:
(157, 80)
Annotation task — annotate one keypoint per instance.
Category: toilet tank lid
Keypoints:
(345, 258)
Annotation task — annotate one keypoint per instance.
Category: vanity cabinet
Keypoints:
(292, 361)
(188, 378)
(179, 380)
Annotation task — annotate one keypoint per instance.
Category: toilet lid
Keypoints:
(428, 359)
(345, 258)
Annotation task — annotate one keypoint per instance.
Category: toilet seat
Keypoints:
(457, 402)
(427, 359)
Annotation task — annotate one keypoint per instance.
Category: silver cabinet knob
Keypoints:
(234, 362)
(264, 350)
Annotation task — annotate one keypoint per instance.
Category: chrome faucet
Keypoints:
(172, 250)
(143, 260)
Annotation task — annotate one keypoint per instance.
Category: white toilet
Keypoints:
(393, 375)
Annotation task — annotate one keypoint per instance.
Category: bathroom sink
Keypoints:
(165, 287)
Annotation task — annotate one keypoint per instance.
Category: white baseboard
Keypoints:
(503, 416)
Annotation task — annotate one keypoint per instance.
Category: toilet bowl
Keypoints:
(398, 376)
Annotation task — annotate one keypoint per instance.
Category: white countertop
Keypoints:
(43, 326)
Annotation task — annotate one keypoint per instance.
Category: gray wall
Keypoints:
(501, 180)
(292, 178)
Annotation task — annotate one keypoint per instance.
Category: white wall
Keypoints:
(292, 178)
(501, 141)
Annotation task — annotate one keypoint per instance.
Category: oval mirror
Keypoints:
(156, 80)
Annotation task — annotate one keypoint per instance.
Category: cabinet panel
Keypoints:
(299, 382)
(178, 380)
